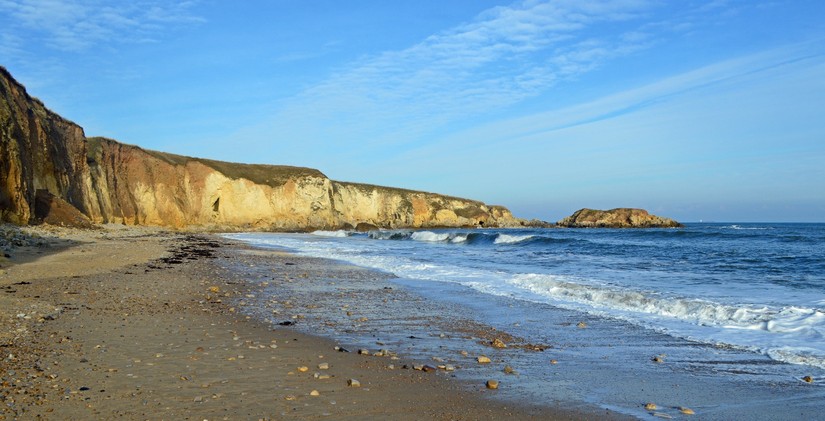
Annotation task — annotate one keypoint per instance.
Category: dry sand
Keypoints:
(139, 324)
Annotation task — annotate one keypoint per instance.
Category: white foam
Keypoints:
(511, 239)
(698, 311)
(459, 238)
(337, 234)
(430, 237)
(790, 334)
(739, 227)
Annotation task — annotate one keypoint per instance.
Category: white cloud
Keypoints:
(538, 126)
(82, 24)
(505, 55)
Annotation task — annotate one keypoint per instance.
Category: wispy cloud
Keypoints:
(506, 54)
(539, 126)
(82, 24)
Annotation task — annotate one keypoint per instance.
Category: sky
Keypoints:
(696, 110)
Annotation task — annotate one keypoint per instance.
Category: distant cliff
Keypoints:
(109, 181)
(616, 218)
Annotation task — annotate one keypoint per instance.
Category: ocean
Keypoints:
(741, 303)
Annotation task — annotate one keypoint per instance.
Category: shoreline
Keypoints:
(143, 323)
(587, 361)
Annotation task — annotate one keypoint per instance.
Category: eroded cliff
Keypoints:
(111, 182)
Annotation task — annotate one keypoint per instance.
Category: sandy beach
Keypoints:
(146, 324)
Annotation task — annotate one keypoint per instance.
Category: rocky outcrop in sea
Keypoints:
(616, 218)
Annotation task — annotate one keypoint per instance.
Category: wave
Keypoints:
(453, 237)
(697, 311)
(390, 235)
(335, 234)
(798, 325)
(511, 239)
(431, 237)
(739, 227)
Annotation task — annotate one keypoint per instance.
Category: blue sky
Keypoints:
(696, 110)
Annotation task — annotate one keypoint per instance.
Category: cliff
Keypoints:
(111, 182)
(616, 218)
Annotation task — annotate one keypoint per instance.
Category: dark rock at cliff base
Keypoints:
(616, 218)
(53, 210)
(365, 227)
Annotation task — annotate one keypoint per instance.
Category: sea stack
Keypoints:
(616, 218)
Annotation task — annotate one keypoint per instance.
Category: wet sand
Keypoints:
(146, 324)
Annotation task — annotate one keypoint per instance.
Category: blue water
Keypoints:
(758, 287)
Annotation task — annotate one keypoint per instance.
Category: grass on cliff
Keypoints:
(270, 175)
(368, 188)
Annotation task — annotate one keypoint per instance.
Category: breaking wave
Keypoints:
(337, 234)
(803, 327)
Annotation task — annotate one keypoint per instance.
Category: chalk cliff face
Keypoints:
(616, 218)
(110, 182)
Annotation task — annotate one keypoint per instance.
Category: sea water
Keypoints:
(739, 308)
(759, 287)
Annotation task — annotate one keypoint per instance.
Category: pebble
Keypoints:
(808, 379)
(498, 343)
(314, 393)
(686, 411)
(353, 383)
(581, 325)
(492, 384)
(303, 369)
(323, 366)
(658, 359)
(650, 406)
(483, 359)
(509, 370)
(554, 362)
(449, 367)
(363, 351)
(428, 368)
